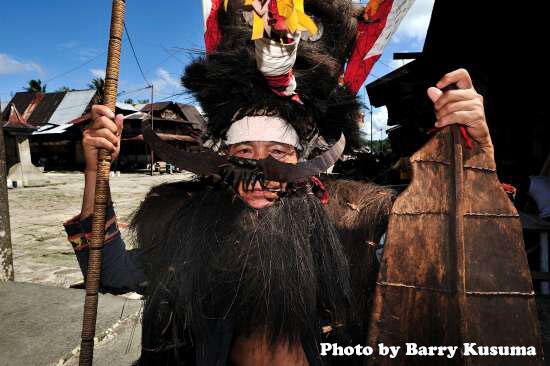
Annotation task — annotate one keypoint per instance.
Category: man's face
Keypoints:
(256, 197)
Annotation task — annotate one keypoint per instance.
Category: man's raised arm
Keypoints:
(121, 269)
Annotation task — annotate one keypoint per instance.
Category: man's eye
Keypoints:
(244, 151)
(278, 153)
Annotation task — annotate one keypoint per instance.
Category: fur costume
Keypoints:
(217, 268)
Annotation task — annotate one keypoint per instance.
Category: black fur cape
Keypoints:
(357, 213)
(229, 86)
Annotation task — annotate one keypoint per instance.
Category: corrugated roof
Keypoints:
(16, 122)
(51, 130)
(156, 106)
(126, 107)
(72, 106)
(40, 109)
(44, 110)
(192, 114)
(142, 116)
(137, 115)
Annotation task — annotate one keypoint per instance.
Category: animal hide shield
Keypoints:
(454, 269)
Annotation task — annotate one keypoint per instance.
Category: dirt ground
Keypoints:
(41, 251)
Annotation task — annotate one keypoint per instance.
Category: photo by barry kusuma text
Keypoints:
(413, 349)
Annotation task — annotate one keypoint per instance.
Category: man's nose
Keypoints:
(260, 154)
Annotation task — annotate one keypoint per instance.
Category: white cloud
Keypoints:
(9, 65)
(86, 53)
(379, 123)
(98, 73)
(165, 82)
(415, 24)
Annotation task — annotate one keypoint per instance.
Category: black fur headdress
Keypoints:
(229, 86)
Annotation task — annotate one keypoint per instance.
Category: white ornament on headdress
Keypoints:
(262, 128)
(274, 59)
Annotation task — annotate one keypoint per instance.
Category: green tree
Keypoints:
(64, 89)
(381, 146)
(129, 101)
(99, 85)
(35, 86)
(143, 101)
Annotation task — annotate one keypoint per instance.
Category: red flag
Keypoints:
(212, 35)
(372, 37)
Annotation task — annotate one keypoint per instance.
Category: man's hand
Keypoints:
(102, 133)
(463, 106)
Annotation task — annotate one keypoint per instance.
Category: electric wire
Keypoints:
(77, 67)
(134, 53)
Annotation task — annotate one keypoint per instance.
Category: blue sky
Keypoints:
(63, 43)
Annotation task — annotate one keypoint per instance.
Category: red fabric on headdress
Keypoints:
(279, 81)
(213, 35)
(282, 82)
(278, 21)
(358, 68)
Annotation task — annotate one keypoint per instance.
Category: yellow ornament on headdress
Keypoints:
(291, 10)
(295, 18)
(371, 9)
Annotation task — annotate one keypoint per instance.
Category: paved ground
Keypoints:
(41, 251)
(41, 325)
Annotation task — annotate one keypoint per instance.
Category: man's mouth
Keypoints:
(273, 190)
(268, 194)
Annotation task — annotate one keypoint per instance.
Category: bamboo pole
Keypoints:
(101, 191)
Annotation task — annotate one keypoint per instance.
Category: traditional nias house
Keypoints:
(181, 124)
(39, 132)
(45, 130)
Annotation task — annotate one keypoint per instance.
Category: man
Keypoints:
(463, 104)
(258, 271)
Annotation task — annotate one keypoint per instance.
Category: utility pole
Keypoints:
(153, 129)
(6, 254)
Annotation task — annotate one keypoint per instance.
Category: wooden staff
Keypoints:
(101, 191)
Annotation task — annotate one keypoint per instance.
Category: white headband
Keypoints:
(262, 128)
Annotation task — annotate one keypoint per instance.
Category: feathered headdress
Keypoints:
(280, 58)
(280, 63)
